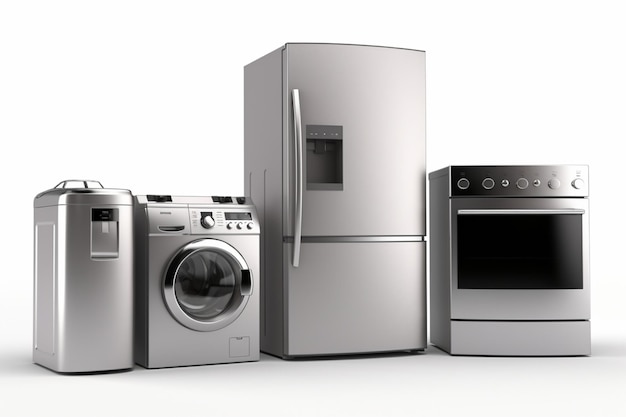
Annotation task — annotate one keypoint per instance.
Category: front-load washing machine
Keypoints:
(197, 280)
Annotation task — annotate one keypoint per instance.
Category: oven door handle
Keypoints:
(518, 211)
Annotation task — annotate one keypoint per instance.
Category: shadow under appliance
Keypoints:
(335, 161)
(197, 281)
(83, 278)
(509, 270)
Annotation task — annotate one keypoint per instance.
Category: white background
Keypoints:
(148, 96)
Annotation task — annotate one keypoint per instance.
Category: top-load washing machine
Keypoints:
(83, 301)
(197, 280)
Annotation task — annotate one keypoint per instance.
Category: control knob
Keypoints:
(463, 183)
(488, 183)
(554, 183)
(578, 183)
(522, 183)
(207, 221)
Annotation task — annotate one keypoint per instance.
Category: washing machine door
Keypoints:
(207, 285)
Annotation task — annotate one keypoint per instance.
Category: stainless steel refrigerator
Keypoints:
(335, 163)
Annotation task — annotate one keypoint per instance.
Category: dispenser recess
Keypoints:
(324, 157)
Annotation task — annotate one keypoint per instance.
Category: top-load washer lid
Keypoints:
(82, 192)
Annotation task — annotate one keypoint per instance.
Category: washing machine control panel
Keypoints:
(210, 219)
(199, 215)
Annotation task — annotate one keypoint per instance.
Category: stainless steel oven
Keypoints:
(509, 270)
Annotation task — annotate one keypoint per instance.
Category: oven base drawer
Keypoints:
(520, 338)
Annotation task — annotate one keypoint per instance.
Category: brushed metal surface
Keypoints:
(264, 165)
(355, 298)
(376, 97)
(45, 287)
(504, 321)
(160, 338)
(83, 303)
(521, 338)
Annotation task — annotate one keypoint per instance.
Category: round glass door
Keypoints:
(207, 285)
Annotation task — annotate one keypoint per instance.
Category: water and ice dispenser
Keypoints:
(83, 318)
(324, 157)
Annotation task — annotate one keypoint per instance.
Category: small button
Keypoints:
(536, 183)
(554, 183)
(463, 183)
(522, 183)
(488, 183)
(505, 183)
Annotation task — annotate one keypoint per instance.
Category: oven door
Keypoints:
(520, 259)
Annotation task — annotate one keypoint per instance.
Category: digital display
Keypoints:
(238, 216)
(104, 215)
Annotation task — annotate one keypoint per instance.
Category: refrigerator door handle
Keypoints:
(297, 128)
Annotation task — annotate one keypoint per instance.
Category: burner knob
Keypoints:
(207, 222)
(578, 183)
(488, 183)
(522, 183)
(463, 183)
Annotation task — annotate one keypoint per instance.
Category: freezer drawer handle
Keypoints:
(297, 128)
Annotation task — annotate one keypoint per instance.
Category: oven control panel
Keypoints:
(519, 181)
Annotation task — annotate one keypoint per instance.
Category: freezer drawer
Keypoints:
(355, 297)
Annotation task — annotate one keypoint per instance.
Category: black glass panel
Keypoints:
(525, 251)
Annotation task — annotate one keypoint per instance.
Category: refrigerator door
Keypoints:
(354, 140)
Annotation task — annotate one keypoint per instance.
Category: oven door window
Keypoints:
(519, 251)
